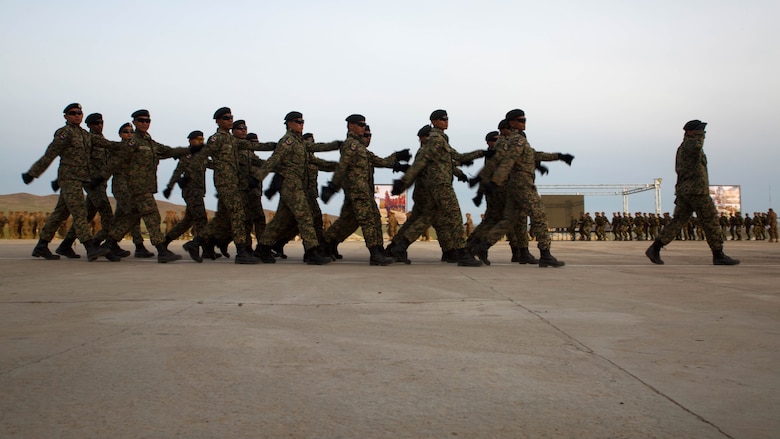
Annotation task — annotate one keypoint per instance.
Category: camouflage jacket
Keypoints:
(191, 169)
(138, 160)
(355, 171)
(73, 145)
(315, 165)
(691, 167)
(435, 161)
(290, 160)
(519, 161)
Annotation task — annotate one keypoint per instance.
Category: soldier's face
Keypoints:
(96, 128)
(74, 116)
(367, 138)
(240, 131)
(126, 133)
(225, 122)
(358, 128)
(197, 141)
(441, 124)
(142, 124)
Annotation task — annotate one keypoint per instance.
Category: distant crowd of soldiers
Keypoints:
(643, 226)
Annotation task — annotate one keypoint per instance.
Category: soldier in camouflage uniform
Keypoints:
(771, 218)
(692, 191)
(290, 161)
(748, 225)
(355, 173)
(190, 175)
(434, 167)
(724, 225)
(3, 222)
(72, 144)
(140, 158)
(97, 200)
(124, 199)
(517, 171)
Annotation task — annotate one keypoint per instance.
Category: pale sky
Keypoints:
(611, 82)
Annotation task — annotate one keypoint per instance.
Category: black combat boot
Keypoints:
(378, 256)
(164, 255)
(547, 260)
(208, 250)
(314, 257)
(263, 252)
(142, 252)
(41, 250)
(398, 251)
(223, 247)
(278, 250)
(116, 250)
(525, 257)
(334, 251)
(66, 249)
(466, 259)
(244, 255)
(450, 256)
(718, 258)
(193, 248)
(95, 250)
(654, 252)
(515, 253)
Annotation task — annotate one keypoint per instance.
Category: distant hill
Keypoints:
(45, 203)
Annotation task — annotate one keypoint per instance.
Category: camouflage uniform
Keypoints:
(3, 222)
(190, 173)
(517, 172)
(433, 165)
(692, 191)
(140, 155)
(355, 173)
(73, 145)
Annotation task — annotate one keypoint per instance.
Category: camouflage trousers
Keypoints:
(289, 233)
(496, 203)
(293, 207)
(124, 203)
(70, 202)
(194, 217)
(141, 206)
(96, 202)
(358, 210)
(684, 206)
(520, 203)
(254, 212)
(441, 209)
(230, 211)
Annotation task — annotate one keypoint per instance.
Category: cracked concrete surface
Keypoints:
(609, 346)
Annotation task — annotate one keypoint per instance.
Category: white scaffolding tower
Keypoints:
(605, 190)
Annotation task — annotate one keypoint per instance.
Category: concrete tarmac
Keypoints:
(609, 346)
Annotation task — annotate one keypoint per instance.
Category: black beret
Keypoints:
(438, 114)
(221, 112)
(308, 136)
(292, 116)
(694, 125)
(514, 114)
(94, 117)
(195, 134)
(238, 123)
(140, 113)
(424, 131)
(124, 125)
(355, 118)
(71, 107)
(504, 124)
(491, 136)
(252, 137)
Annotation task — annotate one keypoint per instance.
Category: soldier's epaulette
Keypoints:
(131, 142)
(287, 140)
(213, 138)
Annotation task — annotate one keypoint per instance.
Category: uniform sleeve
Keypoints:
(166, 152)
(248, 145)
(505, 165)
(540, 156)
(53, 151)
(346, 161)
(379, 162)
(421, 160)
(115, 162)
(323, 147)
(177, 173)
(323, 165)
(102, 142)
(467, 157)
(282, 150)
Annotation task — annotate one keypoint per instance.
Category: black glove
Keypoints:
(55, 185)
(467, 163)
(328, 191)
(473, 181)
(403, 155)
(542, 169)
(478, 199)
(463, 178)
(276, 186)
(491, 188)
(253, 182)
(195, 148)
(400, 167)
(567, 158)
(167, 192)
(488, 153)
(27, 178)
(398, 187)
(94, 182)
